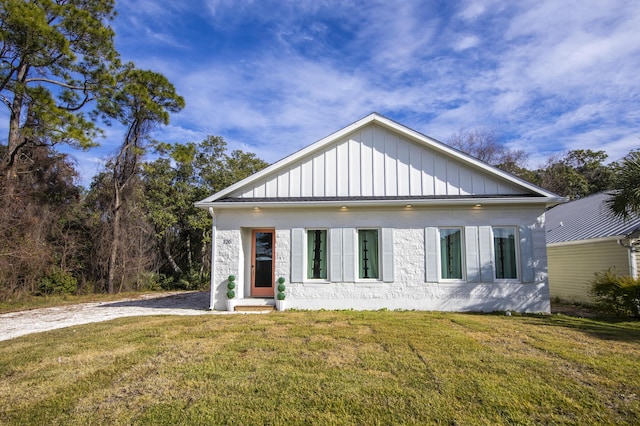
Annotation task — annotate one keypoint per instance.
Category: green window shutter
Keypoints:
(387, 255)
(526, 255)
(349, 236)
(431, 244)
(335, 254)
(297, 255)
(473, 260)
(485, 237)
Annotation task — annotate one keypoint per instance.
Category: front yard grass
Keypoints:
(326, 367)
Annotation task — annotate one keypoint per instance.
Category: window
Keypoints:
(504, 246)
(451, 253)
(317, 254)
(368, 254)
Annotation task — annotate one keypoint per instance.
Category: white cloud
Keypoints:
(141, 23)
(297, 100)
(622, 143)
(506, 103)
(561, 45)
(473, 9)
(87, 166)
(466, 42)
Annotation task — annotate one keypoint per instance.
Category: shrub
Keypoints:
(618, 294)
(194, 280)
(230, 286)
(149, 281)
(281, 289)
(191, 280)
(57, 282)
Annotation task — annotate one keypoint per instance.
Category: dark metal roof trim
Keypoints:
(380, 198)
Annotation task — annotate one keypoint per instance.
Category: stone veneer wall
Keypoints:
(410, 290)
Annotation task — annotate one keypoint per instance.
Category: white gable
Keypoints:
(376, 157)
(377, 162)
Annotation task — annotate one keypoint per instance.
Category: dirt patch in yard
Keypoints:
(574, 310)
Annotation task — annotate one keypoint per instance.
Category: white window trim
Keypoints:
(305, 257)
(378, 279)
(518, 278)
(463, 256)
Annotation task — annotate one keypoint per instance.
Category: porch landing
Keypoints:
(255, 304)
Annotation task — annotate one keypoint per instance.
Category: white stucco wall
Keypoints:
(410, 289)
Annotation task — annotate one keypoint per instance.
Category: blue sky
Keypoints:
(274, 76)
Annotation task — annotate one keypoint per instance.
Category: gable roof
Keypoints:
(378, 161)
(585, 219)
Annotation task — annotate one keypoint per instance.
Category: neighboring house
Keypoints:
(380, 216)
(584, 237)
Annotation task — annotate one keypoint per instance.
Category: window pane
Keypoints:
(504, 243)
(317, 254)
(451, 253)
(368, 253)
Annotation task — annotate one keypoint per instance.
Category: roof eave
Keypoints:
(472, 202)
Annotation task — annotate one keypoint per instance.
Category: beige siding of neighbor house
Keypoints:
(572, 267)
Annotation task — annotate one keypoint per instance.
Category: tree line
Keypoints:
(62, 81)
(573, 174)
(135, 228)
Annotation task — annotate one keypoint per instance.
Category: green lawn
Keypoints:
(326, 368)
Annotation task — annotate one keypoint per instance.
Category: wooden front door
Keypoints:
(262, 262)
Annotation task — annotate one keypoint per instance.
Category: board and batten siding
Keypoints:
(572, 267)
(375, 162)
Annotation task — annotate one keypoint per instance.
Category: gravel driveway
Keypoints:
(16, 324)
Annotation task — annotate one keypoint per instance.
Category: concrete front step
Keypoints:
(254, 304)
(254, 308)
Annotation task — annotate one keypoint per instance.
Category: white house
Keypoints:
(379, 216)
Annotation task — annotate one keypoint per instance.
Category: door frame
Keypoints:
(263, 291)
